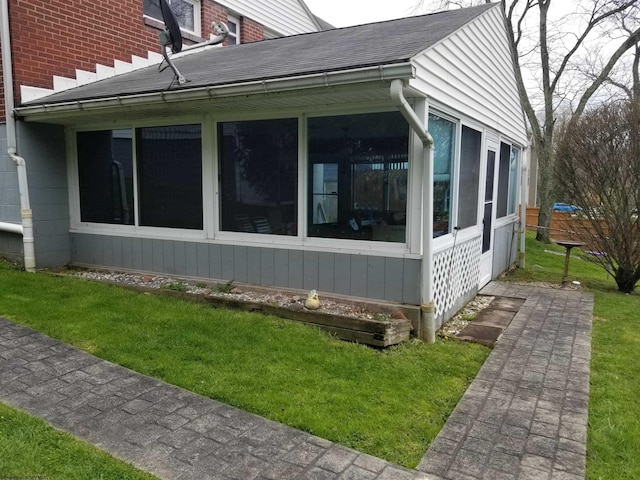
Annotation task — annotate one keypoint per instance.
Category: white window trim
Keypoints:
(235, 19)
(76, 225)
(211, 202)
(197, 16)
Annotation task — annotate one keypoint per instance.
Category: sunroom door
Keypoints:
(486, 259)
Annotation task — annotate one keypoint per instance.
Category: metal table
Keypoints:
(568, 244)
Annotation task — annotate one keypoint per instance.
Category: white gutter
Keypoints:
(427, 330)
(198, 94)
(23, 186)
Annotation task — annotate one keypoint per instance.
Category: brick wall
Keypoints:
(250, 31)
(56, 37)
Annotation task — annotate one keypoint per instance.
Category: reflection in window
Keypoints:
(105, 171)
(169, 161)
(185, 12)
(470, 150)
(233, 23)
(259, 176)
(512, 201)
(444, 136)
(503, 180)
(358, 177)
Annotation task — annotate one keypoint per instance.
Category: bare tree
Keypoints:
(598, 164)
(549, 49)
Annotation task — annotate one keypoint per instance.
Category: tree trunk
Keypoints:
(626, 279)
(546, 190)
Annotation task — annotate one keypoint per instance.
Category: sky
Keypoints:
(343, 13)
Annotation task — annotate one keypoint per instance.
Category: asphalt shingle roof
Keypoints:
(373, 44)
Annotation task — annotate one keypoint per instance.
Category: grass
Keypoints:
(29, 448)
(390, 403)
(614, 409)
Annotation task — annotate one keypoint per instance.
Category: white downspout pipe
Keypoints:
(12, 143)
(427, 330)
(526, 161)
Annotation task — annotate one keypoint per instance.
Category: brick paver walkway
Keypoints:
(163, 429)
(523, 417)
(525, 414)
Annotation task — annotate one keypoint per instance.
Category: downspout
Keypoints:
(23, 186)
(427, 330)
(526, 161)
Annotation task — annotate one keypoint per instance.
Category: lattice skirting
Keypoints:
(455, 274)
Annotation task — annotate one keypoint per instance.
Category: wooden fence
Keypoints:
(564, 225)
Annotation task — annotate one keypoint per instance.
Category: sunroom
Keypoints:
(386, 173)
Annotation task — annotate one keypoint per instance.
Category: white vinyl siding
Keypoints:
(285, 17)
(471, 72)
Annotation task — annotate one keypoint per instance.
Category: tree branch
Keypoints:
(633, 39)
(593, 22)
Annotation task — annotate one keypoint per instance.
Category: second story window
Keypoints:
(187, 12)
(234, 30)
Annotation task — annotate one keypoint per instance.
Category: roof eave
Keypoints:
(387, 72)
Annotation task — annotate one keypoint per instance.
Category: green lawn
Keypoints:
(613, 449)
(29, 448)
(390, 403)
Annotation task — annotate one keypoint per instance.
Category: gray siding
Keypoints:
(505, 250)
(9, 194)
(382, 278)
(43, 148)
(10, 243)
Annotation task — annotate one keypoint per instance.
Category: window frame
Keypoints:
(78, 226)
(512, 187)
(237, 36)
(211, 232)
(233, 235)
(197, 18)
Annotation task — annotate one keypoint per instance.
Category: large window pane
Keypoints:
(169, 163)
(444, 136)
(105, 171)
(503, 180)
(470, 151)
(358, 177)
(512, 200)
(259, 176)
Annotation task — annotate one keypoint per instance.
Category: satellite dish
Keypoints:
(173, 29)
(171, 36)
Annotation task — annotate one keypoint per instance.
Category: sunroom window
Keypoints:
(470, 151)
(508, 180)
(105, 172)
(358, 168)
(259, 176)
(443, 132)
(169, 163)
(512, 201)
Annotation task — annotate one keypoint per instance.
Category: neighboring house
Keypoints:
(294, 162)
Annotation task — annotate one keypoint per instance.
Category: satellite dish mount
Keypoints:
(172, 36)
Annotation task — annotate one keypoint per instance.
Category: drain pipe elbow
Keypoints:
(397, 95)
(28, 239)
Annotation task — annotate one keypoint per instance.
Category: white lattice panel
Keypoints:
(455, 273)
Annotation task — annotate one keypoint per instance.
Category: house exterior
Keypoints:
(56, 45)
(379, 161)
